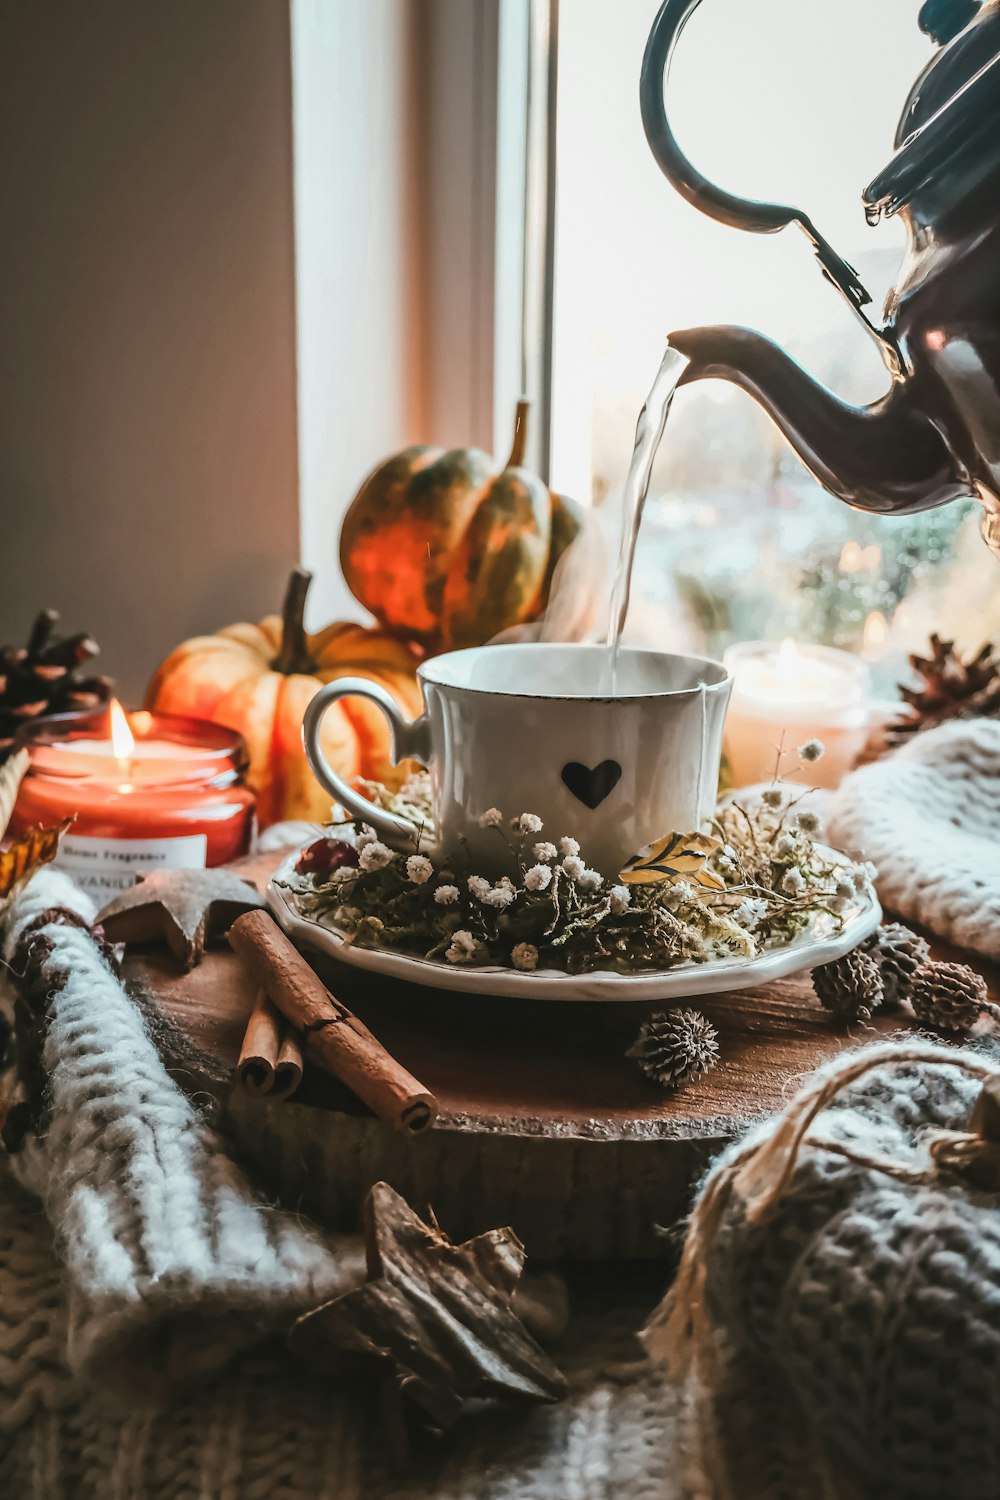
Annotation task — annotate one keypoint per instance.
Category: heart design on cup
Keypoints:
(591, 786)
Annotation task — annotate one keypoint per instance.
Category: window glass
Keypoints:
(789, 101)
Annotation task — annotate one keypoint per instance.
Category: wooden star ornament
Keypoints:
(183, 908)
(436, 1316)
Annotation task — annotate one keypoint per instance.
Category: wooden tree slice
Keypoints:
(544, 1124)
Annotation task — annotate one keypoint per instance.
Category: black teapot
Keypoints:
(936, 435)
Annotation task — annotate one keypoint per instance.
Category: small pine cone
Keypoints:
(851, 987)
(899, 953)
(46, 677)
(949, 997)
(676, 1046)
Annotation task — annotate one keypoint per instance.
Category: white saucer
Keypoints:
(820, 944)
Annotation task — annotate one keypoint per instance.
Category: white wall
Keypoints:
(148, 483)
(396, 189)
(357, 279)
(203, 347)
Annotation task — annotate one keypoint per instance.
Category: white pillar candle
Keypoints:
(785, 694)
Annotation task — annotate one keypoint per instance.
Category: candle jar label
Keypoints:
(106, 865)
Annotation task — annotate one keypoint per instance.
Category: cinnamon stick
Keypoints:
(331, 1035)
(288, 1069)
(270, 1058)
(261, 1045)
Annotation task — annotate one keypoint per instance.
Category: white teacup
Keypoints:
(533, 728)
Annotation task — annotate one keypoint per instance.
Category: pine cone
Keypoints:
(949, 997)
(851, 987)
(899, 953)
(951, 689)
(43, 677)
(676, 1046)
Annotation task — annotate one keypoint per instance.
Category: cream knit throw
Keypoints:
(171, 1261)
(264, 1430)
(929, 817)
(167, 1262)
(837, 1311)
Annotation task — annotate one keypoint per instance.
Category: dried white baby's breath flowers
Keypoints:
(761, 880)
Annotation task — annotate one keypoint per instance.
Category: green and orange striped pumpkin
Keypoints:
(446, 551)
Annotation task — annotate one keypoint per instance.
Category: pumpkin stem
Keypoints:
(294, 653)
(520, 435)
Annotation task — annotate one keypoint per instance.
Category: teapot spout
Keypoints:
(887, 457)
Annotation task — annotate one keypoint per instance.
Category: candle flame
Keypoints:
(857, 559)
(122, 738)
(876, 633)
(788, 655)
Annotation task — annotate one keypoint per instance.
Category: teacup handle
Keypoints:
(409, 739)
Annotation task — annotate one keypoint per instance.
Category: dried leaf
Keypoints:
(11, 776)
(676, 856)
(437, 1315)
(22, 859)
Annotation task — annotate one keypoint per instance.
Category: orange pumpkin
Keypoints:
(258, 679)
(445, 551)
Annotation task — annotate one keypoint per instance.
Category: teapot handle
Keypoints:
(739, 213)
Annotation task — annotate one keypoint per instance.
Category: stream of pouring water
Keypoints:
(648, 432)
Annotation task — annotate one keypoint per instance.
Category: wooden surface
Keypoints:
(514, 1080)
(530, 1068)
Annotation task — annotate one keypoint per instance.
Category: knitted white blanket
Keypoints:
(263, 1429)
(166, 1262)
(171, 1261)
(929, 817)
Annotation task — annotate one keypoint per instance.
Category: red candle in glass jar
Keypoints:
(145, 792)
